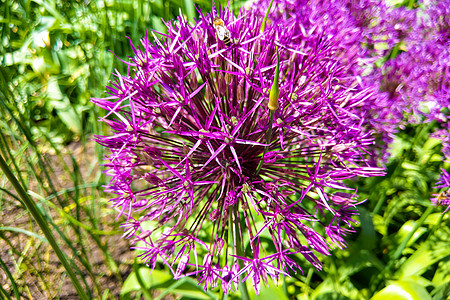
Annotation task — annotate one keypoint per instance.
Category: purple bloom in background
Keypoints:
(416, 82)
(209, 183)
(354, 29)
(443, 198)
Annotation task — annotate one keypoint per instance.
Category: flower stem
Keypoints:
(400, 248)
(263, 24)
(268, 138)
(243, 287)
(240, 252)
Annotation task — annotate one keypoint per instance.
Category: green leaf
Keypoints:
(163, 282)
(431, 143)
(402, 290)
(405, 231)
(62, 106)
(380, 224)
(410, 166)
(424, 257)
(442, 274)
(190, 9)
(367, 238)
(150, 279)
(186, 287)
(326, 290)
(268, 292)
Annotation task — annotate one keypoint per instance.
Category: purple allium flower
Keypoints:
(196, 169)
(443, 198)
(444, 135)
(416, 82)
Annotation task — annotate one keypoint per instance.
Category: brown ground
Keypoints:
(33, 264)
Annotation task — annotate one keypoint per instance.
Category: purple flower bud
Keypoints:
(214, 215)
(219, 245)
(226, 279)
(271, 157)
(182, 265)
(235, 271)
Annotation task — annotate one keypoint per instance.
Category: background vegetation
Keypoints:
(56, 55)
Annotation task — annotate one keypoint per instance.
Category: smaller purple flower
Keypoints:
(258, 268)
(444, 135)
(443, 198)
(181, 266)
(208, 273)
(226, 279)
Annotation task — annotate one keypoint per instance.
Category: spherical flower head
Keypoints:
(201, 167)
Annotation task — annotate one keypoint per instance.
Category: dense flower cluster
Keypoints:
(416, 81)
(357, 29)
(213, 181)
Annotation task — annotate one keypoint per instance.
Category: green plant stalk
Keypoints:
(31, 206)
(75, 253)
(190, 9)
(263, 24)
(308, 280)
(94, 233)
(224, 296)
(400, 248)
(380, 202)
(171, 288)
(13, 283)
(21, 123)
(240, 252)
(29, 266)
(4, 293)
(20, 230)
(8, 150)
(79, 224)
(145, 291)
(75, 180)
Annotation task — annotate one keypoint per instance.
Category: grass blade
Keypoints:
(31, 206)
(13, 283)
(32, 234)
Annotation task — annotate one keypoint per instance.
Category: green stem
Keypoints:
(401, 247)
(263, 24)
(145, 291)
(40, 220)
(285, 291)
(269, 130)
(380, 202)
(243, 285)
(240, 252)
(13, 283)
(268, 138)
(410, 235)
